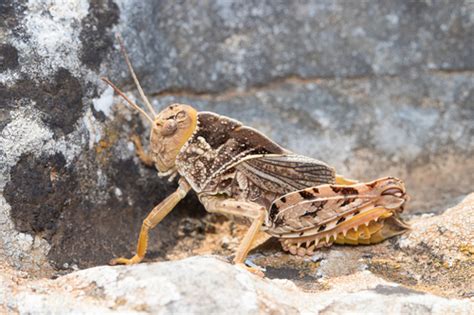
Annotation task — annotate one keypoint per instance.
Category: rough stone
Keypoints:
(374, 89)
(59, 101)
(40, 193)
(206, 285)
(440, 250)
(215, 46)
(8, 57)
(95, 36)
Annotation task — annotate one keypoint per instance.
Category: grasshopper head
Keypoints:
(172, 127)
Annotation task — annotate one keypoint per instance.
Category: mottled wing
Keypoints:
(225, 157)
(284, 172)
(218, 143)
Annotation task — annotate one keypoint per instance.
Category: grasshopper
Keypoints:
(236, 170)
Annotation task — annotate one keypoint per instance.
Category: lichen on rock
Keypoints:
(373, 89)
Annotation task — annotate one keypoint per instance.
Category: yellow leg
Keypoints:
(248, 240)
(142, 155)
(341, 180)
(244, 209)
(153, 218)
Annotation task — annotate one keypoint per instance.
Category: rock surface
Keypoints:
(375, 89)
(427, 271)
(206, 285)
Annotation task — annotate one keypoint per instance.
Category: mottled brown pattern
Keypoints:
(282, 174)
(306, 195)
(331, 206)
(273, 212)
(314, 208)
(345, 190)
(217, 143)
(347, 201)
(340, 220)
(225, 157)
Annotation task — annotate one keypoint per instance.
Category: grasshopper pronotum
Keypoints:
(236, 170)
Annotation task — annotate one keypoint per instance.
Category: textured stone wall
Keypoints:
(373, 88)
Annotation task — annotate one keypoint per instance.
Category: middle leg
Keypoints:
(246, 209)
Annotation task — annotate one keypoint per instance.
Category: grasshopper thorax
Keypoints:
(172, 127)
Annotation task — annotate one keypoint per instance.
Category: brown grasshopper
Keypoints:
(236, 170)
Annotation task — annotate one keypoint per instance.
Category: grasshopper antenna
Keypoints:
(135, 106)
(129, 64)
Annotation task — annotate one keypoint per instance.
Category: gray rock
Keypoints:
(206, 285)
(215, 46)
(373, 89)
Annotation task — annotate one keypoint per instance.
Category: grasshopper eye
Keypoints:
(169, 128)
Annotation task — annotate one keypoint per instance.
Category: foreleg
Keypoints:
(153, 218)
(142, 155)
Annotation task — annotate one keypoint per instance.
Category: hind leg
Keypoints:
(362, 213)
